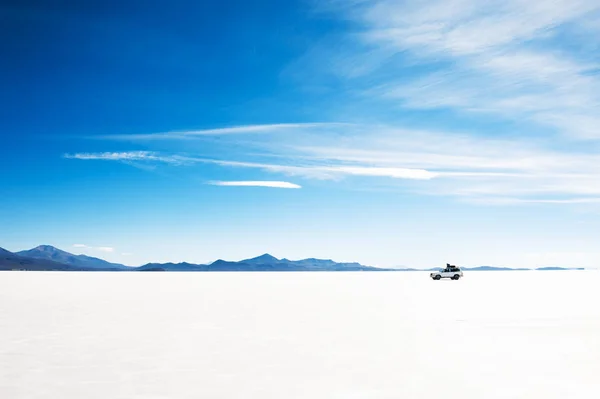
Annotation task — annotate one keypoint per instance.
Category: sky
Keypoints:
(391, 133)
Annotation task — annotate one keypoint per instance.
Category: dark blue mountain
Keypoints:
(251, 265)
(263, 263)
(12, 261)
(171, 267)
(316, 263)
(51, 253)
(265, 259)
(269, 262)
(46, 257)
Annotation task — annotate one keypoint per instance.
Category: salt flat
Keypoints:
(299, 335)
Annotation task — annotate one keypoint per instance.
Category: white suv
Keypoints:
(450, 271)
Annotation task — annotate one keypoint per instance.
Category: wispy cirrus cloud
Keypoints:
(328, 172)
(271, 184)
(325, 172)
(474, 168)
(229, 130)
(131, 156)
(101, 249)
(515, 59)
(468, 166)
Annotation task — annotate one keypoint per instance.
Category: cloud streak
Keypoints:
(309, 171)
(131, 156)
(473, 166)
(275, 128)
(89, 248)
(513, 59)
(335, 172)
(271, 184)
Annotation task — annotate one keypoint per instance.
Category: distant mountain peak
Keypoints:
(44, 251)
(264, 258)
(49, 252)
(46, 248)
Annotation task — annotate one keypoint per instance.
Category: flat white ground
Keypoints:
(299, 335)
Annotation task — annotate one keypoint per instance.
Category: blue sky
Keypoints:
(386, 132)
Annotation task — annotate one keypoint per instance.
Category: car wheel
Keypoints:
(456, 277)
(437, 277)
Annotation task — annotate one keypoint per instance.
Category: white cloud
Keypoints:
(523, 60)
(289, 170)
(335, 172)
(232, 130)
(475, 168)
(464, 27)
(272, 184)
(132, 156)
(113, 156)
(90, 248)
(319, 172)
(452, 164)
(397, 173)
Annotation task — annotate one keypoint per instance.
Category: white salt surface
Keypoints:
(299, 335)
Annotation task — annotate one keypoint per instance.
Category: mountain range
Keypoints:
(46, 257)
(12, 261)
(48, 252)
(49, 258)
